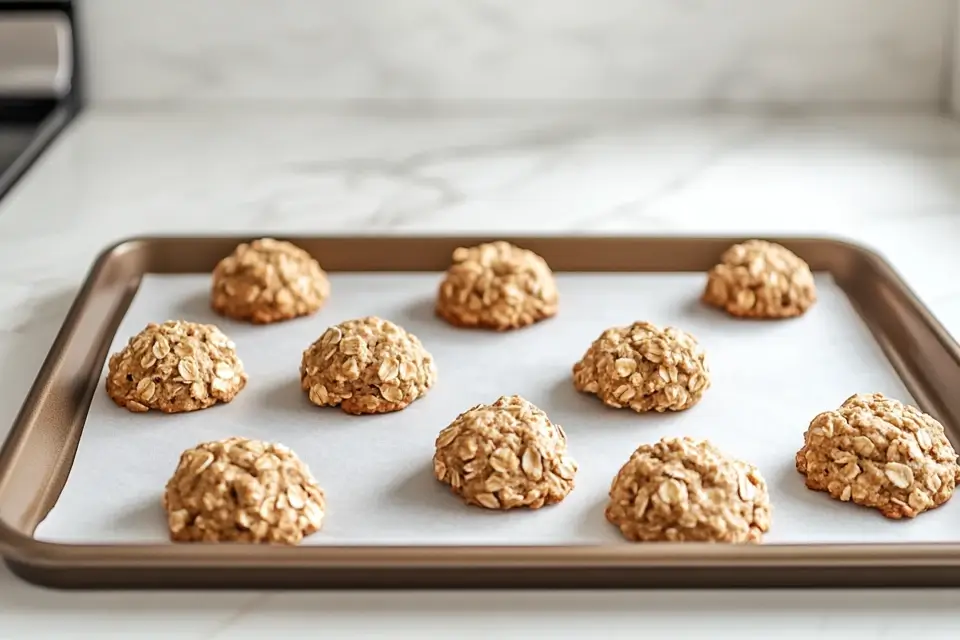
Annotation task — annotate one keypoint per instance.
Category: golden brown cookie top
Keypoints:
(366, 365)
(174, 367)
(268, 281)
(760, 279)
(498, 286)
(505, 455)
(687, 490)
(880, 453)
(644, 367)
(242, 490)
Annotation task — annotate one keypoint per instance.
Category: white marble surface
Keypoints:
(891, 182)
(696, 52)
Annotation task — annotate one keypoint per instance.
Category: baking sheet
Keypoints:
(769, 380)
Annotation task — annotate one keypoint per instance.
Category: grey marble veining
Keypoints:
(693, 52)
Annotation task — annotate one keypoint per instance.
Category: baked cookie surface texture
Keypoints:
(242, 490)
(644, 368)
(686, 490)
(367, 365)
(879, 453)
(268, 281)
(175, 367)
(760, 279)
(505, 455)
(497, 286)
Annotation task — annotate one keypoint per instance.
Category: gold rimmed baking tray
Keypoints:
(37, 456)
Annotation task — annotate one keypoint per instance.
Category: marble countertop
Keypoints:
(891, 182)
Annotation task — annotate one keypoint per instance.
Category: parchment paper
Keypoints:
(769, 380)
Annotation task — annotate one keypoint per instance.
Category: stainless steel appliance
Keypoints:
(38, 83)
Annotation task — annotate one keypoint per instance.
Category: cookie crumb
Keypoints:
(879, 453)
(268, 281)
(686, 490)
(760, 279)
(505, 455)
(497, 286)
(242, 490)
(644, 368)
(367, 365)
(175, 367)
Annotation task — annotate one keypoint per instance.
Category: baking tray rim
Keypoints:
(23, 551)
(125, 243)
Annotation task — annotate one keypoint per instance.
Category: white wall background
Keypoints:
(865, 53)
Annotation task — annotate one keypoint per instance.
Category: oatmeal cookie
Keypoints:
(760, 279)
(241, 490)
(175, 367)
(368, 365)
(880, 453)
(497, 286)
(268, 281)
(505, 455)
(645, 368)
(686, 490)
